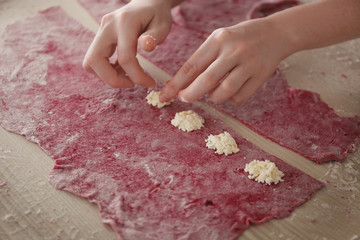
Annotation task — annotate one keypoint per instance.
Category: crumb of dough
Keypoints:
(188, 121)
(153, 99)
(264, 172)
(223, 143)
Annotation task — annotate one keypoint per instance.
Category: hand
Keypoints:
(231, 64)
(148, 22)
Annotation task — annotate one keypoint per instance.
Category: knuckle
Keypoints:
(116, 17)
(209, 80)
(107, 18)
(221, 35)
(228, 89)
(122, 16)
(171, 88)
(189, 69)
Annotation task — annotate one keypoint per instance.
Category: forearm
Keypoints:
(318, 24)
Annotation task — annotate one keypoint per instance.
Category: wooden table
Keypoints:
(30, 208)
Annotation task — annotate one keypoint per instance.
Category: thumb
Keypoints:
(153, 36)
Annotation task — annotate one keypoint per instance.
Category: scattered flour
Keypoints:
(188, 121)
(264, 172)
(153, 99)
(223, 143)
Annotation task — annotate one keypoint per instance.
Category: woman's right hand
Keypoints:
(144, 22)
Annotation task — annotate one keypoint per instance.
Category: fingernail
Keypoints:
(147, 42)
(148, 35)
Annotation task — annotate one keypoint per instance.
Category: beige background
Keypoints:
(30, 208)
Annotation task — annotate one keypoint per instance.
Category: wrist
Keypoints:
(285, 35)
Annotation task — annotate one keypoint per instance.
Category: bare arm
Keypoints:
(246, 54)
(319, 24)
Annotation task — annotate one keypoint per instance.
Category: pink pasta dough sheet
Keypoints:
(149, 179)
(298, 120)
(295, 119)
(206, 16)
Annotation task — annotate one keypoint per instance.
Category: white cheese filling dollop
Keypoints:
(153, 99)
(223, 143)
(264, 172)
(188, 121)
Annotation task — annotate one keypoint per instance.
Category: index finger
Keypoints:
(191, 69)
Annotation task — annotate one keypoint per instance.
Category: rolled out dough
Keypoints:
(295, 119)
(150, 180)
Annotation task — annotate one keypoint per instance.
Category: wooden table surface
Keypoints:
(30, 208)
